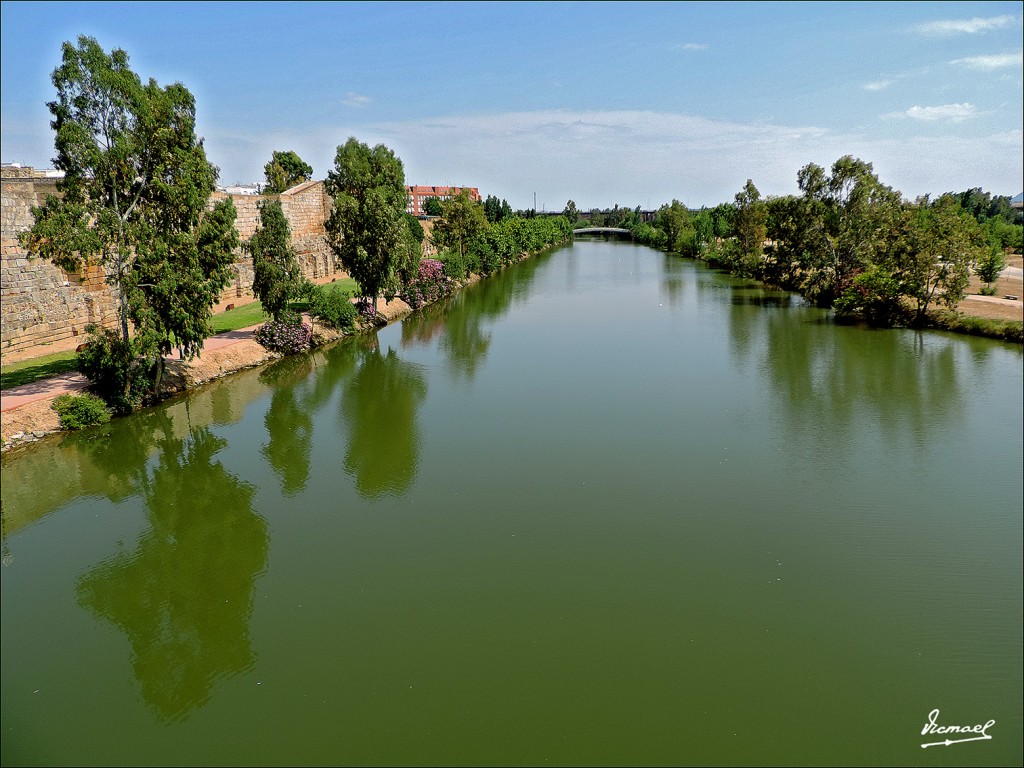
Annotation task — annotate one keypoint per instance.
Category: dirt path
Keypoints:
(26, 415)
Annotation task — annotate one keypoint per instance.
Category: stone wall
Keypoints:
(306, 207)
(42, 304)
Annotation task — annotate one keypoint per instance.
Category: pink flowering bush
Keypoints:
(429, 285)
(284, 336)
(367, 310)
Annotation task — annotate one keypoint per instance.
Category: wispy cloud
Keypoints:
(636, 157)
(996, 61)
(877, 85)
(950, 112)
(647, 158)
(353, 99)
(692, 46)
(976, 25)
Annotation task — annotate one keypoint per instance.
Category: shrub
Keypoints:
(119, 373)
(875, 295)
(78, 411)
(430, 284)
(287, 336)
(331, 308)
(484, 258)
(456, 266)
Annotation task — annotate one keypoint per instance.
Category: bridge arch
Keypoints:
(602, 231)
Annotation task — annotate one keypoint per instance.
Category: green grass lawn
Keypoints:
(39, 368)
(253, 314)
(240, 317)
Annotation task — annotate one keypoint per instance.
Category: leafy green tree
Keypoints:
(367, 229)
(703, 229)
(461, 221)
(415, 228)
(432, 206)
(847, 217)
(723, 215)
(989, 265)
(943, 242)
(133, 200)
(874, 294)
(495, 210)
(751, 224)
(284, 171)
(791, 240)
(1003, 234)
(277, 278)
(571, 212)
(674, 221)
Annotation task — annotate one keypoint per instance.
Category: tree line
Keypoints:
(134, 200)
(847, 242)
(137, 182)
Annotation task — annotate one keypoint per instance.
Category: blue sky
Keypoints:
(603, 103)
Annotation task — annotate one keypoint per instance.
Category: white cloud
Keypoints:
(953, 112)
(949, 27)
(693, 46)
(877, 85)
(600, 158)
(353, 99)
(645, 158)
(996, 61)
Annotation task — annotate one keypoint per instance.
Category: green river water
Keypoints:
(607, 507)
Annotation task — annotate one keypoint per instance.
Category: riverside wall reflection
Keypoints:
(461, 323)
(58, 470)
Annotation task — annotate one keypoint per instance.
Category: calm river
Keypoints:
(607, 507)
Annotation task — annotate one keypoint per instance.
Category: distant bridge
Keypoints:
(602, 231)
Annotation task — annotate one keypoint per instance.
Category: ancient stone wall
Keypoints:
(39, 302)
(306, 207)
(42, 304)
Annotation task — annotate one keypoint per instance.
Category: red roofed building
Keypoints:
(418, 196)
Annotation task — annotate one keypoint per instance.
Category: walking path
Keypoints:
(47, 389)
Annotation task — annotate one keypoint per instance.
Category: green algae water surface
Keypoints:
(607, 507)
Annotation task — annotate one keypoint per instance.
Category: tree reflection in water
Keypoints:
(379, 409)
(183, 596)
(289, 424)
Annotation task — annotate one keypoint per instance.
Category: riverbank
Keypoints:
(26, 415)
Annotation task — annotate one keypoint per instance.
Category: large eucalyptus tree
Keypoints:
(133, 200)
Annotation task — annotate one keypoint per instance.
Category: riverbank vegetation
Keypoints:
(133, 201)
(137, 184)
(850, 243)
